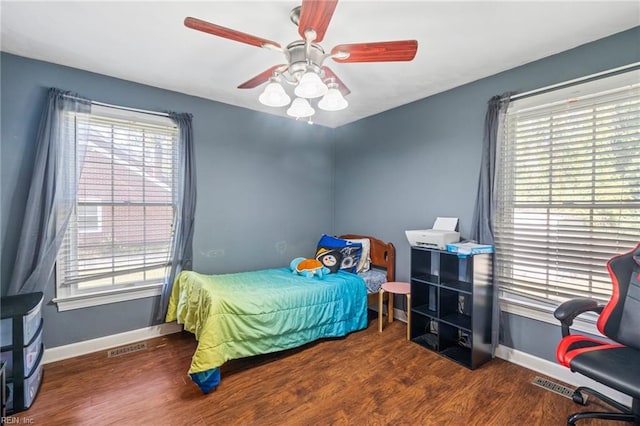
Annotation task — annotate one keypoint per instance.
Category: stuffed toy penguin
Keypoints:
(308, 267)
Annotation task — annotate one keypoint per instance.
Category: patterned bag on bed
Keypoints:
(350, 251)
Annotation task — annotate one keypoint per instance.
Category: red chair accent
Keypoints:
(616, 363)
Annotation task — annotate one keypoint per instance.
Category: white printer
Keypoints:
(444, 232)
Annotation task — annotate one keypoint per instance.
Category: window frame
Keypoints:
(510, 300)
(69, 296)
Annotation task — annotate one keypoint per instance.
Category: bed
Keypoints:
(256, 312)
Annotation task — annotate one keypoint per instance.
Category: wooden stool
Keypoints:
(394, 288)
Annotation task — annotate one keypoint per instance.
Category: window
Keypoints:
(118, 240)
(89, 217)
(568, 189)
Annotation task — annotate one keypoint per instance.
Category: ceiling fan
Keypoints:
(304, 67)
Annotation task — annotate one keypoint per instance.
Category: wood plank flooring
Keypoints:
(364, 378)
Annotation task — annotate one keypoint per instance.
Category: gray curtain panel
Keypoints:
(482, 222)
(183, 223)
(483, 215)
(52, 192)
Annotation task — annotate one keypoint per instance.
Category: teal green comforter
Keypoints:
(250, 313)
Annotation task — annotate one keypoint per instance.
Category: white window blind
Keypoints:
(568, 189)
(120, 231)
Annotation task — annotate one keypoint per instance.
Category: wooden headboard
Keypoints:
(383, 255)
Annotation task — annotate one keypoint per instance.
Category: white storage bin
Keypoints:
(6, 332)
(22, 349)
(31, 387)
(30, 323)
(30, 354)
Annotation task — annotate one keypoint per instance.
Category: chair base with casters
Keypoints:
(614, 363)
(626, 414)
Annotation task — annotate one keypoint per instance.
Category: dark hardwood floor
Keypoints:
(364, 378)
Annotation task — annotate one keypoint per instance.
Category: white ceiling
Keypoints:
(458, 42)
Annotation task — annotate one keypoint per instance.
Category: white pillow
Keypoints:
(364, 264)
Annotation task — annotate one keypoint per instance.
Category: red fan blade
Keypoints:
(330, 74)
(260, 78)
(315, 15)
(217, 30)
(382, 51)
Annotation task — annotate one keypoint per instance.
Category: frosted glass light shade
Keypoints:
(300, 108)
(310, 86)
(274, 95)
(333, 101)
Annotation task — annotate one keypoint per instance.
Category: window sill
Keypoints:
(79, 301)
(586, 323)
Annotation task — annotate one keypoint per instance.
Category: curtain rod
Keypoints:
(575, 81)
(144, 111)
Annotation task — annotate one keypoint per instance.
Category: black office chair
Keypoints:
(615, 364)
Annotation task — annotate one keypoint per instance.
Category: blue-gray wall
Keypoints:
(264, 184)
(401, 169)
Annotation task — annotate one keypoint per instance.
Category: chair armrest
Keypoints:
(569, 310)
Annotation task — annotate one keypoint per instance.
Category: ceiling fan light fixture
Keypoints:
(333, 100)
(300, 108)
(274, 95)
(310, 86)
(305, 57)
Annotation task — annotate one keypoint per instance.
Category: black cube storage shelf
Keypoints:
(451, 300)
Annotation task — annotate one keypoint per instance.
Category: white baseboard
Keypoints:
(107, 342)
(102, 343)
(523, 359)
(399, 314)
(557, 371)
(542, 366)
